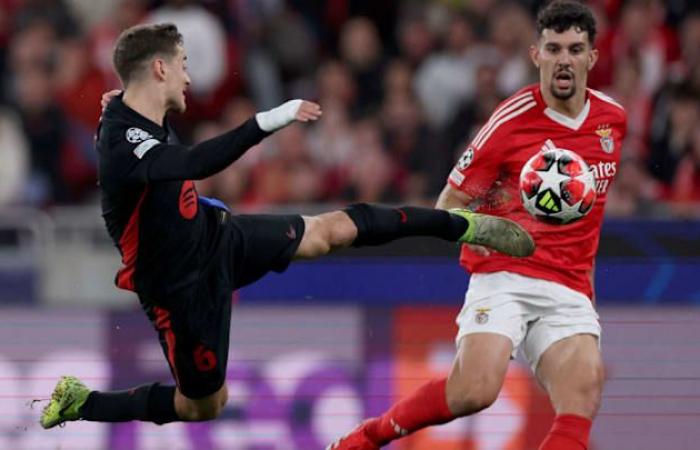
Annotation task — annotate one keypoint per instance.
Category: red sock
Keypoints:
(569, 432)
(424, 407)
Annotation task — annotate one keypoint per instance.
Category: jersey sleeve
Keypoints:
(478, 167)
(149, 159)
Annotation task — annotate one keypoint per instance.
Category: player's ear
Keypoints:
(159, 68)
(535, 55)
(592, 58)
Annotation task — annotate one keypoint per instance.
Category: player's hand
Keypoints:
(287, 113)
(108, 96)
(308, 111)
(479, 250)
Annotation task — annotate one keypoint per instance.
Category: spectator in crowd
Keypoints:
(671, 143)
(641, 34)
(446, 79)
(45, 128)
(511, 32)
(476, 110)
(415, 39)
(686, 184)
(124, 14)
(412, 147)
(628, 91)
(362, 51)
(14, 159)
(205, 42)
(287, 174)
(332, 147)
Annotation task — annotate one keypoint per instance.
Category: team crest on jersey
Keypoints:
(136, 135)
(466, 158)
(607, 143)
(482, 316)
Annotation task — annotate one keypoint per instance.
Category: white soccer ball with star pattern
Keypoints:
(557, 186)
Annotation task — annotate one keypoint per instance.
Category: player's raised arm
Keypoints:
(175, 162)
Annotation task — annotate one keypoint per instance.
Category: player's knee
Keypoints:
(202, 412)
(325, 233)
(583, 392)
(203, 409)
(471, 395)
(589, 389)
(207, 413)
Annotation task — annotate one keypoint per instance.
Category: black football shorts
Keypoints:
(193, 327)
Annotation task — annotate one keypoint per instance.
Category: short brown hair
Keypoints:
(137, 45)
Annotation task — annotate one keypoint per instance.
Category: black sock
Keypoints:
(377, 225)
(150, 403)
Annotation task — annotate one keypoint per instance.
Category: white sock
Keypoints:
(278, 117)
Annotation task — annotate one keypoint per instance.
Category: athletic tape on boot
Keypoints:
(278, 117)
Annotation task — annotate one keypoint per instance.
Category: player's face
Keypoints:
(177, 81)
(564, 60)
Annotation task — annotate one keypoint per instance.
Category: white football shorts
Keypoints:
(533, 312)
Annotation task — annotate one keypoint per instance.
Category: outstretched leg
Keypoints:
(363, 224)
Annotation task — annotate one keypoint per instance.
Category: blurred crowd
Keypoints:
(403, 84)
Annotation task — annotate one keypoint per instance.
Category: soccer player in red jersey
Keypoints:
(542, 304)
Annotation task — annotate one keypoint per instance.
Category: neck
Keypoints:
(570, 107)
(145, 100)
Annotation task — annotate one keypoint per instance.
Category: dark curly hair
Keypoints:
(560, 15)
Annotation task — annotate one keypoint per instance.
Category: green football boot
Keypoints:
(497, 233)
(68, 396)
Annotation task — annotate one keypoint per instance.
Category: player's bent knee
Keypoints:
(325, 233)
(589, 394)
(466, 397)
(199, 410)
(582, 393)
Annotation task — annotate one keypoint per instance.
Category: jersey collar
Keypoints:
(574, 123)
(118, 107)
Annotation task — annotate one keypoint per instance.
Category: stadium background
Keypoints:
(404, 84)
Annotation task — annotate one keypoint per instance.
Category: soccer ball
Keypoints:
(557, 186)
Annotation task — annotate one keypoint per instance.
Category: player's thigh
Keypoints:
(194, 336)
(490, 330)
(478, 371)
(571, 371)
(262, 243)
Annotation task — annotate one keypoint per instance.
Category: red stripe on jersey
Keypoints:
(129, 245)
(163, 324)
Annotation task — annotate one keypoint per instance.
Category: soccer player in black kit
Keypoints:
(184, 255)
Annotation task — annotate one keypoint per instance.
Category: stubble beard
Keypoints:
(562, 95)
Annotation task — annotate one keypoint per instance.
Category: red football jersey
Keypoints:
(489, 172)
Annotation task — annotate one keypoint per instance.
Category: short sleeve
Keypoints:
(477, 168)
